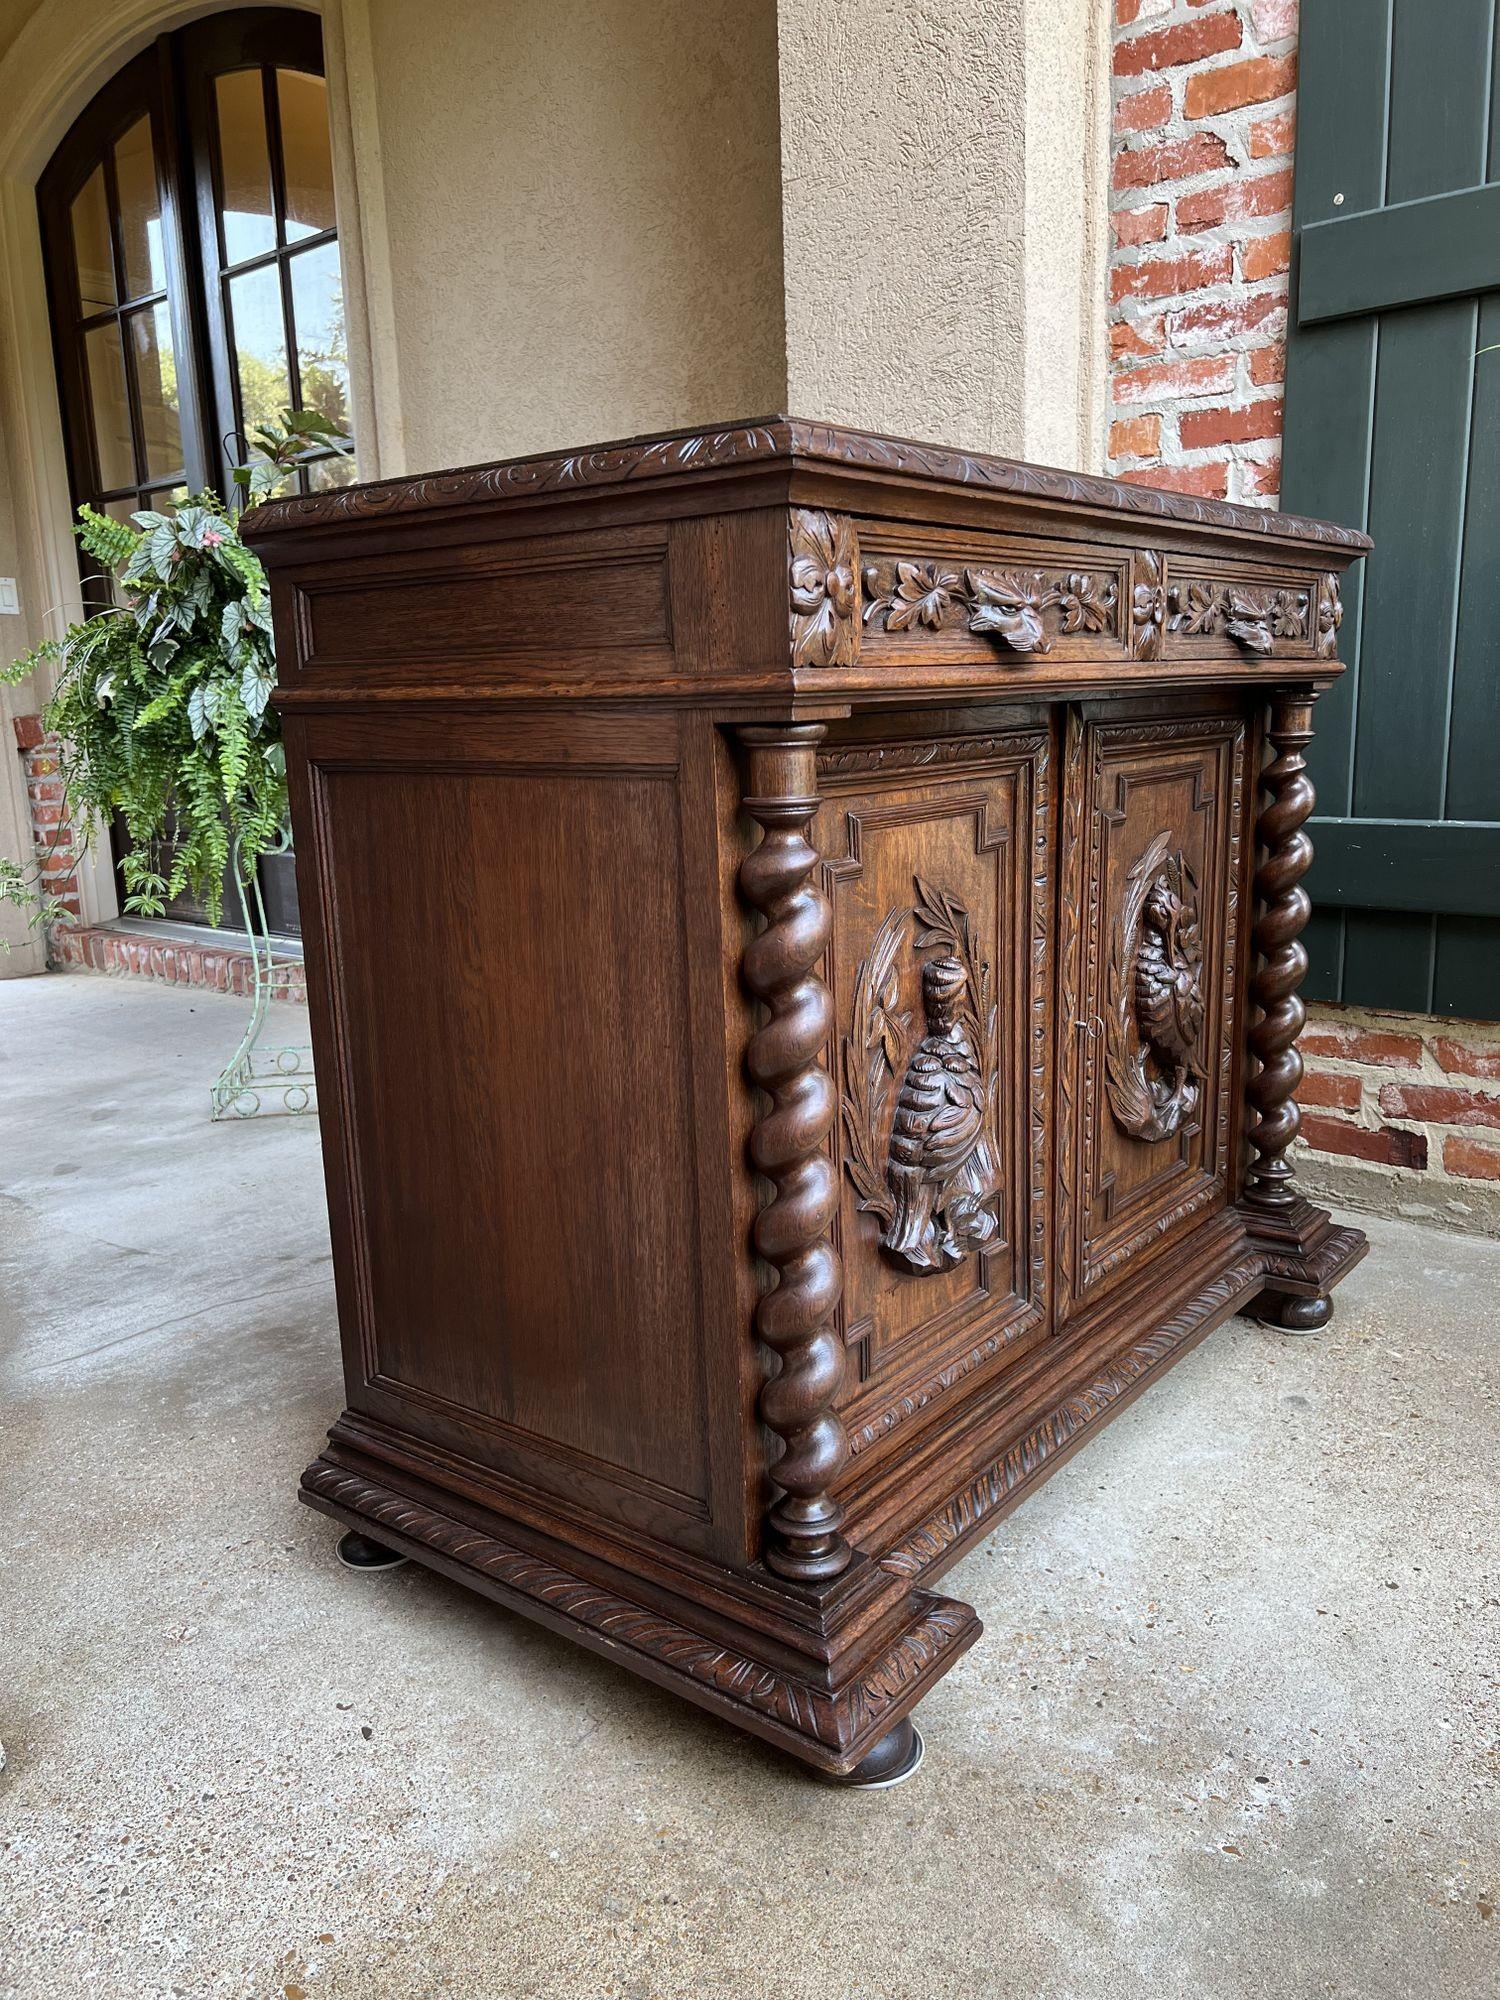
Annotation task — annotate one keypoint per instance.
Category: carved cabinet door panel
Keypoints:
(936, 864)
(1152, 844)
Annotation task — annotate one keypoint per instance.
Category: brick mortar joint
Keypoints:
(1196, 44)
(1478, 1040)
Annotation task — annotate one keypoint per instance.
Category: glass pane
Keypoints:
(324, 473)
(166, 496)
(117, 510)
(259, 344)
(140, 212)
(91, 247)
(156, 385)
(249, 224)
(106, 368)
(318, 314)
(306, 155)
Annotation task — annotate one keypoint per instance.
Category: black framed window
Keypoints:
(256, 118)
(193, 280)
(121, 323)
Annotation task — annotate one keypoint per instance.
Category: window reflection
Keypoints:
(307, 157)
(248, 219)
(140, 212)
(110, 405)
(156, 385)
(318, 313)
(259, 344)
(92, 251)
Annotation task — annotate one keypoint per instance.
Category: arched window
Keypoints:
(193, 280)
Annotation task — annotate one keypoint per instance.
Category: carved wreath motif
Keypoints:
(1007, 605)
(935, 1191)
(1255, 619)
(825, 589)
(1153, 1074)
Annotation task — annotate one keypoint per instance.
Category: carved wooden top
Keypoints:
(767, 441)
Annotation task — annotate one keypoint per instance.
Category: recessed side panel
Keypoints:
(936, 856)
(518, 1133)
(1150, 926)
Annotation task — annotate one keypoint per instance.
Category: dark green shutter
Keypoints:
(1393, 424)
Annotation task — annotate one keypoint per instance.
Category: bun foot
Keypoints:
(894, 1759)
(359, 1552)
(1293, 1315)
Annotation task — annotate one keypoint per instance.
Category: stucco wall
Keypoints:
(582, 201)
(1066, 232)
(942, 188)
(903, 171)
(20, 948)
(14, 14)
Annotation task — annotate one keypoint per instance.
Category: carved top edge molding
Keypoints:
(766, 441)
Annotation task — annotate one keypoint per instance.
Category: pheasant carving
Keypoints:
(1168, 979)
(942, 1167)
(935, 1180)
(1154, 1075)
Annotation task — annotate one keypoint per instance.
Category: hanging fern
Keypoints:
(161, 702)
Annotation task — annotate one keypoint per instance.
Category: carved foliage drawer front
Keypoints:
(1025, 602)
(937, 861)
(1150, 868)
(871, 595)
(1206, 610)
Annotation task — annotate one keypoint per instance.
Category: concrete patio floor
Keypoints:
(1231, 1731)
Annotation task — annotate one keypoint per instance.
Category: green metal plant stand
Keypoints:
(258, 1080)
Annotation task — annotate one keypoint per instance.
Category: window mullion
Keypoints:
(122, 321)
(272, 101)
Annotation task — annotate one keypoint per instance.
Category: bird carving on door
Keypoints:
(941, 1167)
(927, 1165)
(1168, 980)
(1154, 1029)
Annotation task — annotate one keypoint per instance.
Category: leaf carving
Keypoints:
(872, 1056)
(1008, 605)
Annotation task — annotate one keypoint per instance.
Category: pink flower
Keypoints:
(211, 538)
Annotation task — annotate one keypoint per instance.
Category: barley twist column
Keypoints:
(1281, 961)
(784, 1058)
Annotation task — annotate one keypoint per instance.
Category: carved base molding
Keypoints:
(829, 1708)
(1038, 1452)
(1303, 1254)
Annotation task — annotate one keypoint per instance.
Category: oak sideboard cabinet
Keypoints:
(802, 930)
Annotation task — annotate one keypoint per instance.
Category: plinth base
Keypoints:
(1304, 1254)
(829, 1678)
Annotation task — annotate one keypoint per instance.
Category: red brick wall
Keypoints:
(79, 947)
(169, 961)
(53, 837)
(1403, 1091)
(1204, 97)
